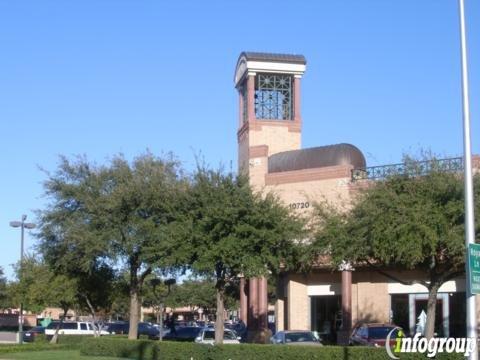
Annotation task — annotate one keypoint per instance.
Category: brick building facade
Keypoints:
(270, 153)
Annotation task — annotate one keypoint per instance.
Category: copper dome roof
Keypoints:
(317, 157)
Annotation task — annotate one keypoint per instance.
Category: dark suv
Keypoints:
(184, 333)
(143, 329)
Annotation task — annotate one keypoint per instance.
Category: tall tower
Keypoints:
(269, 123)
(269, 109)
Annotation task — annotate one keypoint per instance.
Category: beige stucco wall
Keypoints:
(279, 314)
(278, 138)
(370, 298)
(298, 303)
(334, 191)
(258, 167)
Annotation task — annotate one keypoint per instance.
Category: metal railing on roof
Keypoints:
(417, 168)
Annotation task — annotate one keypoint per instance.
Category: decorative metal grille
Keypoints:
(273, 97)
(409, 169)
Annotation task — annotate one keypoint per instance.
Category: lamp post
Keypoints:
(22, 225)
(155, 282)
(467, 154)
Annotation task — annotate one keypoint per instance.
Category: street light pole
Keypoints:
(22, 225)
(467, 154)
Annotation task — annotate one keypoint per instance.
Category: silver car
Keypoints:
(207, 336)
(295, 337)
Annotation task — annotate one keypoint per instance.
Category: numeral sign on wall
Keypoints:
(299, 205)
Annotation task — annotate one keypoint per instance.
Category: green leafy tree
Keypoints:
(199, 293)
(5, 298)
(413, 221)
(195, 294)
(122, 215)
(156, 292)
(95, 290)
(235, 231)
(39, 287)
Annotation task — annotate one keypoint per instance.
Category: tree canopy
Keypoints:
(123, 215)
(407, 221)
(235, 231)
(39, 287)
(5, 297)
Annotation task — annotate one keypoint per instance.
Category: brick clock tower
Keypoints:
(269, 109)
(269, 123)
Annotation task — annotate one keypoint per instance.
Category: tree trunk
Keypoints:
(220, 311)
(96, 331)
(431, 310)
(134, 313)
(55, 336)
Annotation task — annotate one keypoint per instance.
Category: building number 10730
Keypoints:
(299, 205)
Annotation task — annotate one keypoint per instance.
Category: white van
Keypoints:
(72, 328)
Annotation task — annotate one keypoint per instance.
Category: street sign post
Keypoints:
(474, 267)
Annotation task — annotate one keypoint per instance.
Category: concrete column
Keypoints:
(253, 304)
(243, 301)
(251, 97)
(262, 303)
(296, 99)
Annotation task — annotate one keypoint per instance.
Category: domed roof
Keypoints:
(317, 157)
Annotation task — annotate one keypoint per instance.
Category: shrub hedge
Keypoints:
(72, 341)
(11, 348)
(41, 343)
(153, 350)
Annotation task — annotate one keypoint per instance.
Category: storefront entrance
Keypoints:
(449, 315)
(326, 317)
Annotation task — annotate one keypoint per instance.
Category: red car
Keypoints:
(373, 334)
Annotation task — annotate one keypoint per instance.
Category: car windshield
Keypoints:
(381, 332)
(299, 337)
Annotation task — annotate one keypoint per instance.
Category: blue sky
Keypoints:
(98, 77)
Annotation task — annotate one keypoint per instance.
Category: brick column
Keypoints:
(296, 99)
(251, 98)
(346, 300)
(243, 301)
(240, 109)
(344, 334)
(262, 303)
(253, 304)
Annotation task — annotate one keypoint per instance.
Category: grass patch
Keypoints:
(54, 355)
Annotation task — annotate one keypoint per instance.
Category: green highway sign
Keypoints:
(474, 267)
